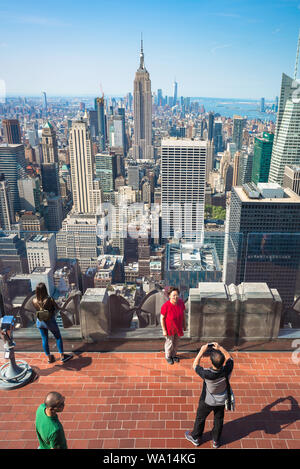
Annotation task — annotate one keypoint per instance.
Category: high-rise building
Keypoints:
(30, 194)
(160, 99)
(7, 216)
(262, 240)
(291, 178)
(210, 134)
(13, 253)
(117, 136)
(133, 176)
(78, 239)
(53, 210)
(262, 105)
(245, 167)
(12, 132)
(49, 144)
(286, 146)
(41, 251)
(217, 136)
(237, 133)
(183, 168)
(50, 178)
(105, 168)
(93, 121)
(81, 168)
(99, 107)
(175, 90)
(262, 157)
(33, 138)
(44, 103)
(13, 164)
(142, 148)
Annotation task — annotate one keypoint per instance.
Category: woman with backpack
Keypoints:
(45, 310)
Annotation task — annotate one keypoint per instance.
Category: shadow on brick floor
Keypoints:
(271, 422)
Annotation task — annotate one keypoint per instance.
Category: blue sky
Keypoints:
(220, 48)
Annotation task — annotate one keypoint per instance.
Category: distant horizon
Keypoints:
(91, 95)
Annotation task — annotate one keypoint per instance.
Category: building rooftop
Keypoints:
(192, 257)
(173, 141)
(289, 196)
(41, 270)
(40, 238)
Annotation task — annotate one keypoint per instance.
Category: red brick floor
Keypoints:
(136, 400)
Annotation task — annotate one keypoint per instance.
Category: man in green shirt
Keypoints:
(49, 430)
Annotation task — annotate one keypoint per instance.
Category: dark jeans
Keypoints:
(202, 413)
(51, 326)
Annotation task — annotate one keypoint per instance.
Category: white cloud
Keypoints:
(32, 19)
(221, 46)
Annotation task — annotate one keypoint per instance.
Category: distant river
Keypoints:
(230, 107)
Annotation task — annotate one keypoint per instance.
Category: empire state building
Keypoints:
(142, 147)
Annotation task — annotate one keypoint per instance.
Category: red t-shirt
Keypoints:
(173, 317)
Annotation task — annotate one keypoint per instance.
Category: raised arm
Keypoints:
(200, 355)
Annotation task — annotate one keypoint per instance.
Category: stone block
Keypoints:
(94, 315)
(249, 311)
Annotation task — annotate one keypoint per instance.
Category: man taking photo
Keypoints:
(214, 392)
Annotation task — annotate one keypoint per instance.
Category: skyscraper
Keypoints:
(81, 167)
(106, 171)
(12, 164)
(49, 144)
(117, 137)
(99, 106)
(286, 146)
(159, 97)
(183, 167)
(7, 216)
(218, 137)
(50, 178)
(12, 132)
(175, 89)
(237, 133)
(133, 176)
(45, 104)
(262, 157)
(210, 133)
(262, 241)
(291, 178)
(142, 148)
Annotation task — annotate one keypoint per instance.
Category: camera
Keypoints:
(209, 349)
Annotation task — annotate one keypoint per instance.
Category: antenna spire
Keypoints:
(297, 58)
(142, 54)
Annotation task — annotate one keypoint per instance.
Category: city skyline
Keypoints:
(200, 46)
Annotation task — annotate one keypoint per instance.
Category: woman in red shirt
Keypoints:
(173, 323)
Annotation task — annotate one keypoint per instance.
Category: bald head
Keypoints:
(54, 400)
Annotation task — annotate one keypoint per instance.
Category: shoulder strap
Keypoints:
(43, 303)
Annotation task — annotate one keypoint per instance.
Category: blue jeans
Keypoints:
(44, 327)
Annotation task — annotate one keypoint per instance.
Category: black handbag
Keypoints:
(43, 314)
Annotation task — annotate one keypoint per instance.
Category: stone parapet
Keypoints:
(248, 311)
